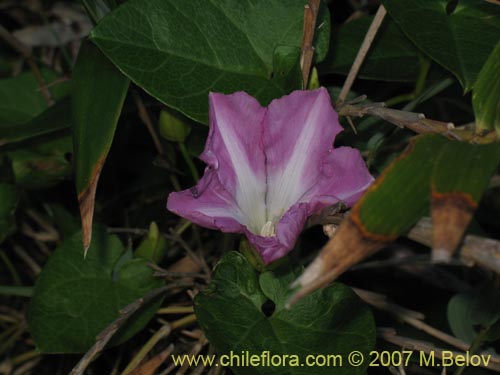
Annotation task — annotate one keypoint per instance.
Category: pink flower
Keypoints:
(269, 169)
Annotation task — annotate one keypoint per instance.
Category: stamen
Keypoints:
(268, 230)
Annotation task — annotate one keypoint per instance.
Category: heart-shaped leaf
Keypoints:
(178, 51)
(76, 298)
(244, 311)
(460, 39)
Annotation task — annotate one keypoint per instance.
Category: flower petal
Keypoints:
(299, 130)
(344, 177)
(232, 190)
(208, 204)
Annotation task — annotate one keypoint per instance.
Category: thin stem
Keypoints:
(425, 64)
(400, 99)
(146, 119)
(307, 50)
(11, 268)
(189, 161)
(19, 291)
(363, 50)
(476, 344)
(176, 310)
(25, 357)
(163, 332)
(183, 322)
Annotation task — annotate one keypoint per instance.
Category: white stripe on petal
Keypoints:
(251, 189)
(286, 186)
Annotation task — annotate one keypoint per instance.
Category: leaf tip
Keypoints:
(451, 215)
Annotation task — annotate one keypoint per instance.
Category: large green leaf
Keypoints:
(461, 41)
(178, 51)
(392, 56)
(486, 95)
(244, 311)
(404, 183)
(8, 203)
(464, 167)
(99, 93)
(76, 298)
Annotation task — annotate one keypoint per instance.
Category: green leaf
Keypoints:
(54, 119)
(464, 167)
(178, 51)
(236, 313)
(99, 93)
(404, 183)
(461, 41)
(392, 56)
(286, 67)
(431, 164)
(9, 198)
(42, 165)
(469, 311)
(486, 94)
(76, 298)
(21, 99)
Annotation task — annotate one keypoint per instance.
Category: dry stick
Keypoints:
(363, 50)
(124, 314)
(152, 364)
(425, 347)
(144, 116)
(474, 250)
(307, 50)
(163, 332)
(27, 54)
(379, 301)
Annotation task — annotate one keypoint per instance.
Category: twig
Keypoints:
(307, 50)
(151, 365)
(27, 259)
(176, 310)
(403, 119)
(106, 335)
(410, 317)
(146, 119)
(390, 336)
(474, 250)
(163, 332)
(195, 350)
(363, 50)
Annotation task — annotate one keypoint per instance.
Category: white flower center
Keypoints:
(268, 230)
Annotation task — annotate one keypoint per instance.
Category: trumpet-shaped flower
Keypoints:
(270, 168)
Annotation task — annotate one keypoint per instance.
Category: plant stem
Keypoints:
(363, 50)
(20, 291)
(474, 347)
(189, 161)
